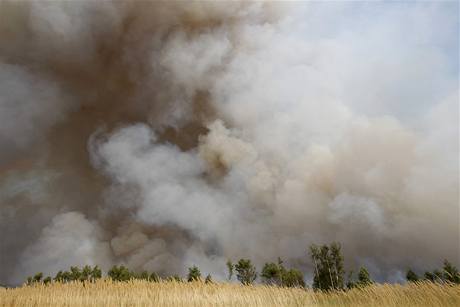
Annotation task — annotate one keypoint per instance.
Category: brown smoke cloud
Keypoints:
(166, 134)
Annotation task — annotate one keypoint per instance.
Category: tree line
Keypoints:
(327, 260)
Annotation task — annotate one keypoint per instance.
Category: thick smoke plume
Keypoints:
(162, 135)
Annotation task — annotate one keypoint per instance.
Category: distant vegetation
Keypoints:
(448, 273)
(327, 260)
(276, 274)
(284, 286)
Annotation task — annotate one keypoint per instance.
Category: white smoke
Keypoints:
(166, 135)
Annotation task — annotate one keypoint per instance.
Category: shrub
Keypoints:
(411, 276)
(246, 272)
(47, 280)
(119, 273)
(154, 277)
(271, 274)
(194, 274)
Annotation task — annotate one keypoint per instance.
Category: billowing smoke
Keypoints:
(162, 135)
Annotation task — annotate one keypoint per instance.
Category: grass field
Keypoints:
(142, 293)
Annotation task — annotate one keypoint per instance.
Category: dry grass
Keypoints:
(141, 293)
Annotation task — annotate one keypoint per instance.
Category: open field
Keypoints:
(142, 293)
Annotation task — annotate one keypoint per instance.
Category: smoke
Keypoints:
(162, 135)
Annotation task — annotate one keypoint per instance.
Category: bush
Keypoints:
(96, 273)
(276, 274)
(271, 274)
(47, 280)
(154, 277)
(364, 278)
(35, 279)
(293, 278)
(448, 274)
(75, 273)
(411, 276)
(246, 272)
(88, 273)
(175, 278)
(119, 273)
(144, 275)
(194, 274)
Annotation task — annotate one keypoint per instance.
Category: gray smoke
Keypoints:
(162, 135)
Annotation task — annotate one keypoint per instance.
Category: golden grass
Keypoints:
(142, 293)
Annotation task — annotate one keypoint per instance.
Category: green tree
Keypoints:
(58, 277)
(271, 274)
(47, 280)
(364, 278)
(230, 268)
(337, 258)
(75, 273)
(435, 276)
(438, 275)
(208, 279)
(277, 274)
(194, 274)
(96, 273)
(246, 272)
(411, 276)
(67, 276)
(37, 277)
(293, 278)
(450, 273)
(328, 263)
(85, 273)
(119, 273)
(429, 276)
